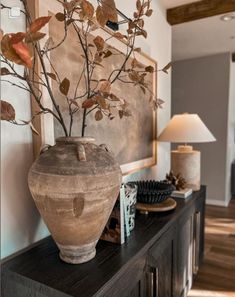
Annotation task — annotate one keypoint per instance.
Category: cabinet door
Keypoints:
(160, 274)
(128, 283)
(184, 256)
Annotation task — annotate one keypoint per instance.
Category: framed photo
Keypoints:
(131, 139)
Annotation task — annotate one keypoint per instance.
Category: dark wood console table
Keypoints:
(159, 259)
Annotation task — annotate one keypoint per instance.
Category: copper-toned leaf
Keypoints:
(134, 63)
(138, 5)
(99, 43)
(134, 76)
(74, 102)
(17, 37)
(24, 53)
(167, 67)
(88, 103)
(101, 16)
(105, 86)
(98, 58)
(98, 115)
(51, 75)
(149, 69)
(33, 37)
(110, 10)
(8, 51)
(60, 16)
(144, 33)
(114, 97)
(64, 86)
(5, 71)
(87, 10)
(149, 12)
(127, 113)
(119, 35)
(120, 112)
(108, 54)
(39, 23)
(140, 23)
(48, 44)
(69, 6)
(137, 49)
(101, 101)
(7, 111)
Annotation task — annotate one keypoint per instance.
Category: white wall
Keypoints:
(20, 222)
(230, 131)
(201, 85)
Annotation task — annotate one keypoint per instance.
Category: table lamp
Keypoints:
(186, 128)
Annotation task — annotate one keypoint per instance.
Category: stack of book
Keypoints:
(182, 193)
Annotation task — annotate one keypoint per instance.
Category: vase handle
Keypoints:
(44, 148)
(81, 152)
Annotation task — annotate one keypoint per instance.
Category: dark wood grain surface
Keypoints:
(42, 269)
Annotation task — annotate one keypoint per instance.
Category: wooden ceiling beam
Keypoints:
(198, 10)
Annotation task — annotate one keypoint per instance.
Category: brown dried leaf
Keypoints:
(32, 37)
(60, 16)
(138, 5)
(7, 111)
(74, 102)
(110, 10)
(120, 112)
(149, 12)
(105, 86)
(98, 58)
(108, 54)
(134, 76)
(149, 69)
(99, 43)
(64, 86)
(48, 44)
(140, 23)
(98, 115)
(88, 103)
(87, 10)
(137, 49)
(167, 67)
(119, 35)
(39, 23)
(101, 101)
(51, 75)
(5, 71)
(114, 97)
(101, 16)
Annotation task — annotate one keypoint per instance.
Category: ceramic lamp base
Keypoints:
(187, 162)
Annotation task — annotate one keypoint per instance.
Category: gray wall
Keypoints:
(201, 86)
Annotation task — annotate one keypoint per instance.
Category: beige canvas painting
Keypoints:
(131, 139)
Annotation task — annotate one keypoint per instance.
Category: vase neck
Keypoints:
(71, 140)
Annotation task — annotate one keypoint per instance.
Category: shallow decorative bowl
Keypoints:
(151, 191)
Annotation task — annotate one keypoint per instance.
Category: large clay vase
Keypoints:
(75, 185)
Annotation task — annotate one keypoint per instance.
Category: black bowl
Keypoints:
(151, 191)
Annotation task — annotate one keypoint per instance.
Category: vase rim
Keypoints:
(75, 139)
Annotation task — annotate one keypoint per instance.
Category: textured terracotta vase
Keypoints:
(75, 185)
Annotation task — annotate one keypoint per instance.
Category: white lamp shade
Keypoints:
(186, 128)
